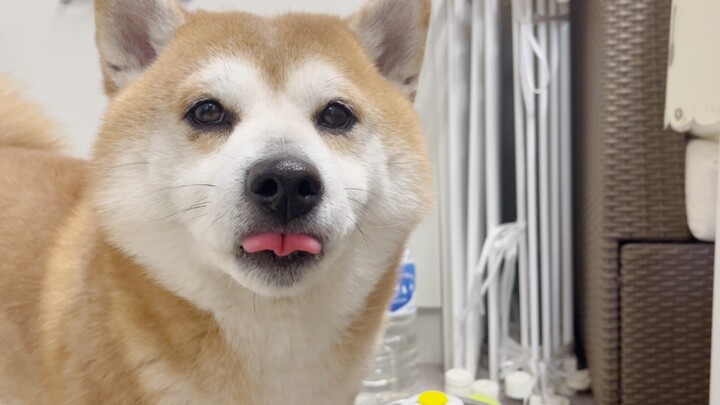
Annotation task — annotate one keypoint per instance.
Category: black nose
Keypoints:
(286, 187)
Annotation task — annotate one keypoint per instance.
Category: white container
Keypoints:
(518, 384)
(553, 400)
(458, 381)
(578, 380)
(488, 388)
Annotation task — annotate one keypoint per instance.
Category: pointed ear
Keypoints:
(130, 34)
(394, 33)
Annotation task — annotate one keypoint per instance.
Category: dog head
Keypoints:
(267, 149)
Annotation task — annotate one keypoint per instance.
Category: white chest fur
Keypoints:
(291, 349)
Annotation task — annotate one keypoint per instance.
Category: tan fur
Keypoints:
(80, 321)
(38, 189)
(110, 309)
(74, 318)
(22, 122)
(296, 36)
(366, 20)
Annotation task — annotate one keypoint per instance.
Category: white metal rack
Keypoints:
(490, 267)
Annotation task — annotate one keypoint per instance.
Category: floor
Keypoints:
(432, 379)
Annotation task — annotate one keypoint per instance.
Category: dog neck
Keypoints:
(237, 333)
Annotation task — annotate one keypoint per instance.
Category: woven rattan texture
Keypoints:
(596, 254)
(644, 169)
(666, 308)
(629, 183)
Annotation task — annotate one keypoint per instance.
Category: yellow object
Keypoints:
(484, 399)
(433, 398)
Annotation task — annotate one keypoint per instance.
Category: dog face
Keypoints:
(269, 150)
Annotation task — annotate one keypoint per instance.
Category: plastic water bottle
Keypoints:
(394, 374)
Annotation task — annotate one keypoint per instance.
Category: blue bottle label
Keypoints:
(404, 301)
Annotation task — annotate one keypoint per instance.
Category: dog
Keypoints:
(236, 234)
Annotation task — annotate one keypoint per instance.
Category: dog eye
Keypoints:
(336, 116)
(206, 113)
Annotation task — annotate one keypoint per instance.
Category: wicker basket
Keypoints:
(630, 204)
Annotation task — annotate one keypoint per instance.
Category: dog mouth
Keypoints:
(279, 251)
(282, 244)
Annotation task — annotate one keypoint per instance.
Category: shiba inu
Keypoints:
(235, 236)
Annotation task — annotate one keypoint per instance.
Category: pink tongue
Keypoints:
(281, 244)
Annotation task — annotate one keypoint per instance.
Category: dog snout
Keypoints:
(285, 187)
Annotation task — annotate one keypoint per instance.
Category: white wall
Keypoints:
(49, 48)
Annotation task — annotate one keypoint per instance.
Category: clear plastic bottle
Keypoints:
(394, 374)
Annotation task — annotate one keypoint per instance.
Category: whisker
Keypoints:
(369, 192)
(364, 209)
(404, 163)
(359, 203)
(389, 226)
(364, 235)
(201, 203)
(187, 185)
(181, 186)
(129, 164)
(194, 207)
(257, 318)
(213, 222)
(204, 202)
(194, 218)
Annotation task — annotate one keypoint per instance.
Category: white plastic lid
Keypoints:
(458, 377)
(458, 381)
(570, 364)
(558, 400)
(486, 387)
(536, 400)
(518, 384)
(553, 400)
(578, 380)
(562, 389)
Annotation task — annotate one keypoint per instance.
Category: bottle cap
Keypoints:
(486, 387)
(558, 400)
(562, 389)
(552, 400)
(570, 364)
(518, 384)
(458, 377)
(578, 380)
(458, 381)
(433, 398)
(536, 400)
